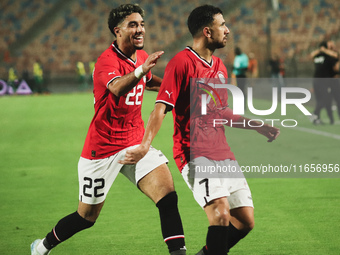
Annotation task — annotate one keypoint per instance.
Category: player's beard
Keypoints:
(217, 45)
(220, 45)
(139, 47)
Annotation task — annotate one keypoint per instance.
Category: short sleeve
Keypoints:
(106, 71)
(172, 80)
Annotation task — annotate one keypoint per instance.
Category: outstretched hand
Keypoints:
(134, 155)
(151, 61)
(268, 131)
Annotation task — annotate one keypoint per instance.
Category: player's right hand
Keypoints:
(134, 155)
(151, 61)
(269, 131)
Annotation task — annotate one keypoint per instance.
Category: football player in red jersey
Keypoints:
(227, 202)
(120, 76)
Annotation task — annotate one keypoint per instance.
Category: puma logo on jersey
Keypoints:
(168, 93)
(112, 73)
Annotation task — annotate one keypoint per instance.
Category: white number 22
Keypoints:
(137, 92)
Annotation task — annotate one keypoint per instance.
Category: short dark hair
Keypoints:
(323, 44)
(117, 15)
(238, 51)
(202, 16)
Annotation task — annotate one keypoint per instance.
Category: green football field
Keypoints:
(41, 140)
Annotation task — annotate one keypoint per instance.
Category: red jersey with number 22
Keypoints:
(175, 91)
(117, 122)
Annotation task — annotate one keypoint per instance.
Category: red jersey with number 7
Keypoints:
(117, 122)
(194, 134)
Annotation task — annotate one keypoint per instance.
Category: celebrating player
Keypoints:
(120, 76)
(227, 202)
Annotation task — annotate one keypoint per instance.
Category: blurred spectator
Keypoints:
(324, 61)
(13, 80)
(276, 69)
(91, 69)
(335, 85)
(81, 75)
(253, 66)
(282, 68)
(26, 74)
(240, 67)
(292, 63)
(38, 75)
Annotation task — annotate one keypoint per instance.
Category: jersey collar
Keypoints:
(199, 57)
(115, 46)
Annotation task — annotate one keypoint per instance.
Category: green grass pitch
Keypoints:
(40, 142)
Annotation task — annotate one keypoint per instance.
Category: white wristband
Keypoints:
(139, 72)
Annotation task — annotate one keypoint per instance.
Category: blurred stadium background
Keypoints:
(61, 32)
(41, 137)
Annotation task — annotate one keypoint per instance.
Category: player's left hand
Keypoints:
(268, 131)
(151, 61)
(134, 155)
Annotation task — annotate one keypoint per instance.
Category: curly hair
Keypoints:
(117, 15)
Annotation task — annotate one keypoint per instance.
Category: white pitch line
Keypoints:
(308, 130)
(317, 132)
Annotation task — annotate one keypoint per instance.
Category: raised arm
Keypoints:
(154, 124)
(314, 53)
(330, 53)
(124, 84)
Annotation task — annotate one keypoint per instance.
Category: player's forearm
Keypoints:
(124, 84)
(264, 129)
(314, 53)
(331, 53)
(154, 124)
(245, 123)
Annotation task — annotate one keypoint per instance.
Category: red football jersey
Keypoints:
(117, 122)
(176, 91)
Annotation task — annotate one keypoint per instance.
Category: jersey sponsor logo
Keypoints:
(319, 60)
(169, 93)
(111, 73)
